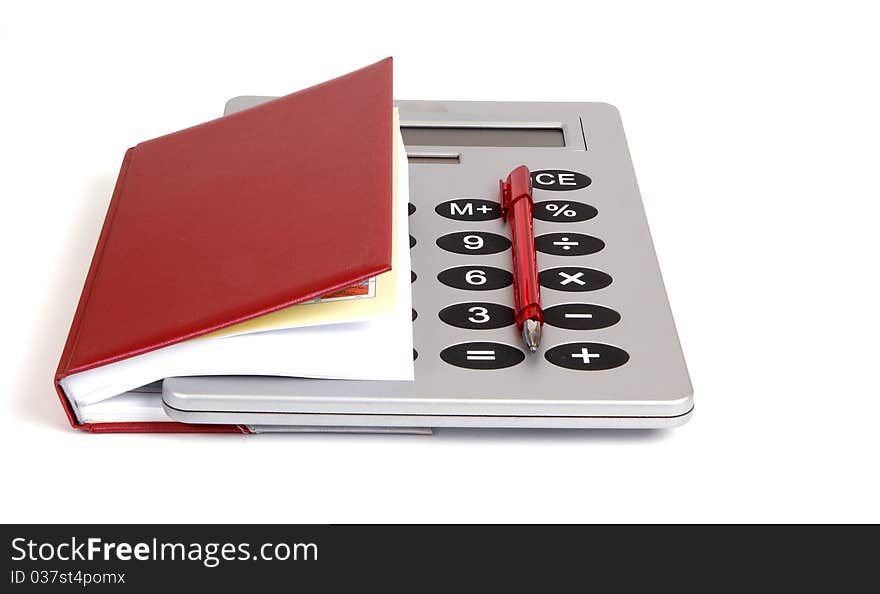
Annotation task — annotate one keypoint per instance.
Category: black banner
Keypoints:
(396, 558)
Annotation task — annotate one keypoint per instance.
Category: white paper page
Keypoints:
(378, 349)
(130, 407)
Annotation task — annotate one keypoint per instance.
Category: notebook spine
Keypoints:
(73, 334)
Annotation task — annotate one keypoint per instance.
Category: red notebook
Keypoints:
(228, 220)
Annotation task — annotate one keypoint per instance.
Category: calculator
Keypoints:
(609, 355)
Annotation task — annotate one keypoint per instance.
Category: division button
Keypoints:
(478, 315)
(573, 278)
(475, 278)
(563, 211)
(482, 355)
(474, 242)
(469, 209)
(568, 244)
(580, 316)
(587, 356)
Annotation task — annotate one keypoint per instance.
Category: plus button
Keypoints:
(585, 356)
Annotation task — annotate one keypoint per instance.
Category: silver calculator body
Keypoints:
(610, 355)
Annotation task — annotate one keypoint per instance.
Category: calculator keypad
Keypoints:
(491, 315)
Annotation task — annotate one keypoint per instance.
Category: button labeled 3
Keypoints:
(478, 315)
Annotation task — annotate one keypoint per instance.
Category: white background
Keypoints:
(754, 130)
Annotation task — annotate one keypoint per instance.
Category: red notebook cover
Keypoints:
(235, 218)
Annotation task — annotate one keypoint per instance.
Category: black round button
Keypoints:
(411, 207)
(573, 278)
(474, 242)
(469, 209)
(559, 180)
(412, 241)
(587, 356)
(563, 211)
(412, 276)
(580, 316)
(482, 355)
(478, 315)
(568, 244)
(415, 315)
(475, 278)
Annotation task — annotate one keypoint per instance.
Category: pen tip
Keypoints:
(531, 331)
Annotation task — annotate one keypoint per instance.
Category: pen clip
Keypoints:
(517, 186)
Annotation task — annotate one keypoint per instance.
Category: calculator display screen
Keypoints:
(475, 136)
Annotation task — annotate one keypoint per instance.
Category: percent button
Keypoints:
(564, 211)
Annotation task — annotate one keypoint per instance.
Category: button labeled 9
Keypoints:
(474, 242)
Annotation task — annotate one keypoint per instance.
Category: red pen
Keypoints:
(516, 203)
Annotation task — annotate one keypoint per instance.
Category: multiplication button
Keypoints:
(580, 316)
(482, 355)
(587, 356)
(573, 278)
(568, 244)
